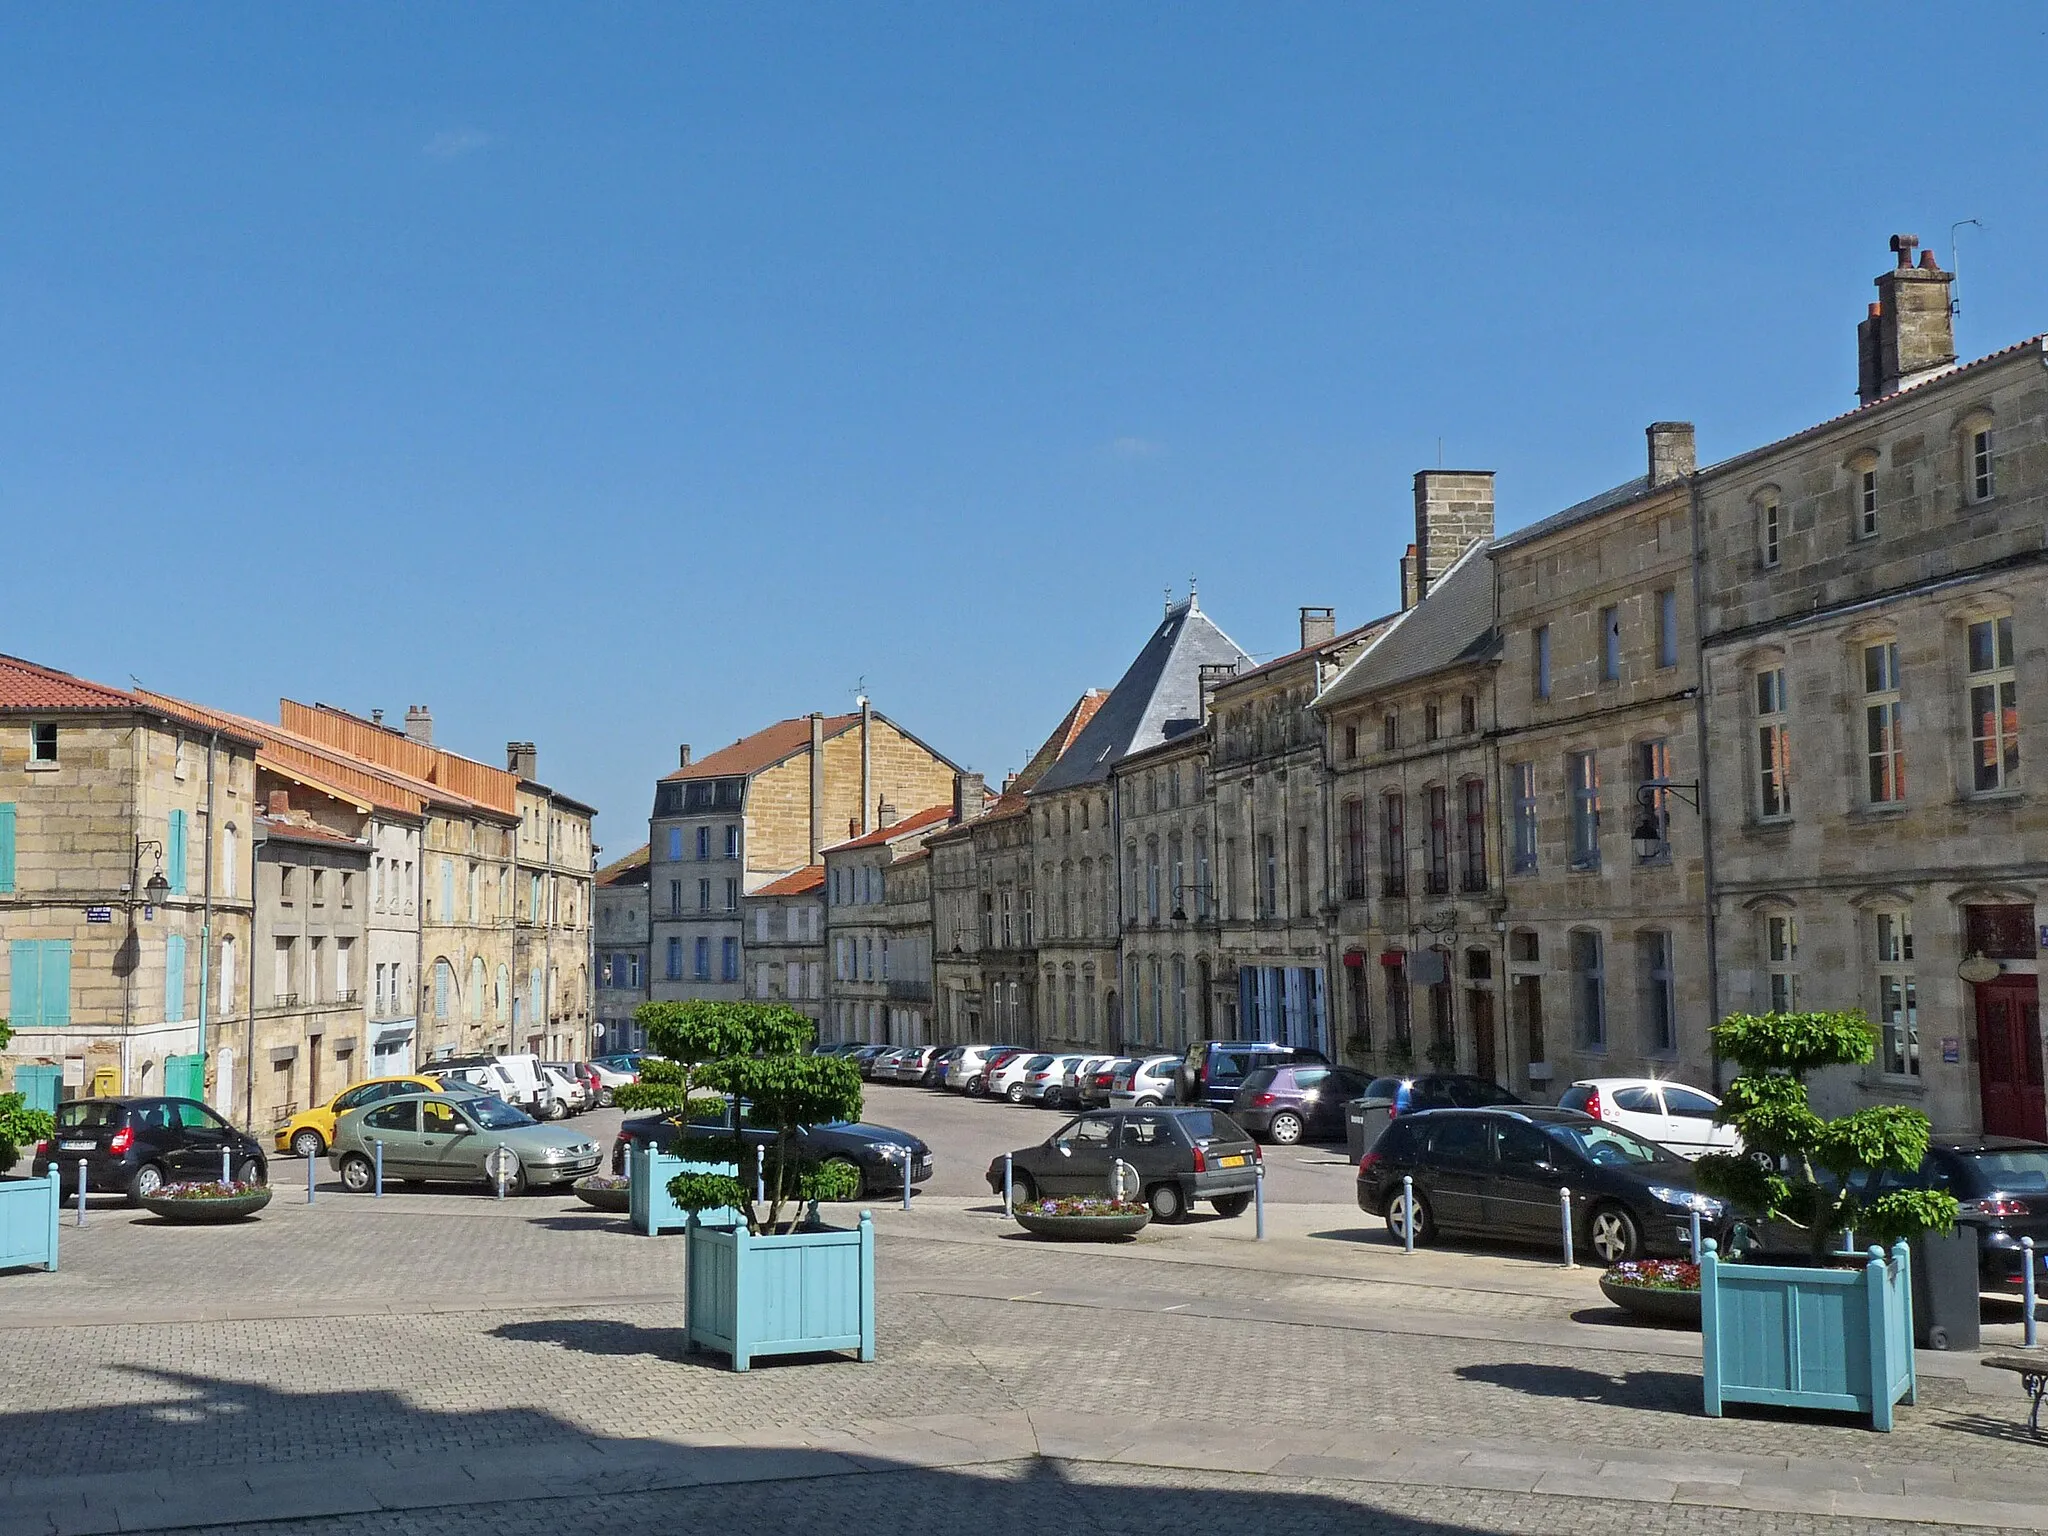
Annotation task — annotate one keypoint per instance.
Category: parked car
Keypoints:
(1497, 1173)
(935, 1069)
(1066, 1094)
(1144, 1081)
(1366, 1116)
(841, 1048)
(910, 1063)
(1670, 1114)
(875, 1152)
(446, 1137)
(308, 1133)
(560, 1094)
(1095, 1085)
(478, 1077)
(998, 1056)
(1010, 1079)
(136, 1146)
(1043, 1084)
(867, 1056)
(584, 1077)
(1215, 1069)
(613, 1072)
(1179, 1156)
(1303, 1102)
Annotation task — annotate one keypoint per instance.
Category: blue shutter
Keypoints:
(174, 854)
(56, 982)
(25, 989)
(447, 892)
(6, 847)
(174, 978)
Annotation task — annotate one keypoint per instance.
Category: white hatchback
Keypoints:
(1152, 1080)
(1008, 1080)
(1670, 1114)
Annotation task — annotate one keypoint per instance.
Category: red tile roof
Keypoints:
(300, 832)
(1011, 801)
(795, 883)
(25, 685)
(917, 821)
(763, 749)
(631, 870)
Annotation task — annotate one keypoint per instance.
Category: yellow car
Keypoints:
(310, 1133)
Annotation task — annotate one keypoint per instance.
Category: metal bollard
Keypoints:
(908, 1158)
(760, 1177)
(379, 1145)
(1695, 1237)
(1009, 1185)
(1259, 1201)
(312, 1163)
(81, 1194)
(1407, 1213)
(499, 1177)
(2026, 1281)
(227, 1155)
(1564, 1212)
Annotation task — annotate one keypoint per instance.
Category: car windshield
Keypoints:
(1206, 1125)
(1387, 1088)
(2011, 1170)
(90, 1115)
(495, 1114)
(1261, 1080)
(1609, 1145)
(1036, 1063)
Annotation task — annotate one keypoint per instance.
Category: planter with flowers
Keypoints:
(1659, 1290)
(604, 1192)
(196, 1204)
(1083, 1218)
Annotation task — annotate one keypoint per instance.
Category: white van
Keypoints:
(484, 1076)
(527, 1079)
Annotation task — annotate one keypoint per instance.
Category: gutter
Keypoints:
(1706, 806)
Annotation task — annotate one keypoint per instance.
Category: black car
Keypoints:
(1296, 1103)
(136, 1146)
(1216, 1069)
(1179, 1156)
(1498, 1173)
(1385, 1097)
(875, 1152)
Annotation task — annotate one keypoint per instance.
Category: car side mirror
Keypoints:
(1064, 1149)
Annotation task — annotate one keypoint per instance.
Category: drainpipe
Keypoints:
(1706, 818)
(867, 715)
(257, 839)
(206, 916)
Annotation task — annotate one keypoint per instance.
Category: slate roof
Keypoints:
(795, 883)
(917, 821)
(1620, 496)
(1157, 699)
(1453, 623)
(765, 748)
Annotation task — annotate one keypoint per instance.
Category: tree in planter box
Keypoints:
(20, 1126)
(1799, 1167)
(759, 1054)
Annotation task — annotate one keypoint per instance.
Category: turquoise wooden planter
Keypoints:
(28, 1221)
(648, 1205)
(1808, 1338)
(794, 1294)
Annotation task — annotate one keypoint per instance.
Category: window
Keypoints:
(1667, 627)
(703, 842)
(1173, 786)
(1982, 484)
(1582, 773)
(1898, 1001)
(444, 987)
(868, 958)
(732, 841)
(1393, 862)
(345, 982)
(1468, 714)
(1522, 785)
(1653, 772)
(1439, 874)
(1394, 965)
(1589, 990)
(1542, 661)
(1781, 961)
(1152, 880)
(703, 959)
(1351, 741)
(1176, 870)
(1354, 849)
(1610, 645)
(1201, 874)
(675, 897)
(1180, 999)
(348, 888)
(1866, 503)
(728, 959)
(1660, 998)
(1994, 706)
(1475, 835)
(176, 859)
(1773, 745)
(703, 895)
(732, 895)
(675, 842)
(1432, 721)
(1302, 883)
(1768, 529)
(1269, 877)
(1390, 731)
(1883, 736)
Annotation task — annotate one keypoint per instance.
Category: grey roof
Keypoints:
(1452, 624)
(1157, 699)
(1592, 506)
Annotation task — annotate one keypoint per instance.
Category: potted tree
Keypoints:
(1822, 1334)
(688, 1036)
(28, 1207)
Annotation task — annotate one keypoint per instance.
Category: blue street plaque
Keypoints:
(99, 914)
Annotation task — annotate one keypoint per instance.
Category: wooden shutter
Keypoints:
(25, 987)
(6, 847)
(174, 977)
(174, 854)
(56, 982)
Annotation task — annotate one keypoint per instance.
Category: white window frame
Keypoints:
(1582, 781)
(1898, 1001)
(1994, 732)
(1773, 745)
(1884, 747)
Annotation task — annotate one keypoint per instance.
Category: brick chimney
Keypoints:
(1671, 451)
(683, 755)
(1318, 626)
(1453, 511)
(280, 802)
(521, 758)
(419, 725)
(970, 796)
(885, 813)
(1909, 334)
(1209, 676)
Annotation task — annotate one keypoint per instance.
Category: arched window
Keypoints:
(1589, 989)
(1180, 1001)
(474, 1009)
(444, 988)
(1176, 872)
(1152, 879)
(230, 862)
(227, 974)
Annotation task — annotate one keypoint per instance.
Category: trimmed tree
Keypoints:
(20, 1126)
(757, 1058)
(1799, 1167)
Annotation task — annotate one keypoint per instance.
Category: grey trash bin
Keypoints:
(1354, 1128)
(1945, 1281)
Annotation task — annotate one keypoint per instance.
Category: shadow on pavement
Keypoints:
(1656, 1391)
(604, 1336)
(584, 1221)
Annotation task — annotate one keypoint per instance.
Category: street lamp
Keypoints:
(1180, 911)
(156, 887)
(1651, 833)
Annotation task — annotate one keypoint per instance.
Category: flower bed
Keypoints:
(190, 1203)
(1083, 1218)
(604, 1191)
(1661, 1290)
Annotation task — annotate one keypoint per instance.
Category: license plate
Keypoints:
(1234, 1161)
(75, 1146)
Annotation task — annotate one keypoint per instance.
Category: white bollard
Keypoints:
(227, 1156)
(1695, 1237)
(1259, 1202)
(1564, 1212)
(2026, 1283)
(1009, 1184)
(1407, 1213)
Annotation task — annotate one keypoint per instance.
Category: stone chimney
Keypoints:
(521, 758)
(885, 813)
(1009, 782)
(376, 717)
(280, 802)
(1909, 334)
(683, 755)
(1318, 626)
(970, 796)
(1453, 511)
(1671, 451)
(1209, 676)
(419, 725)
(1408, 579)
(867, 760)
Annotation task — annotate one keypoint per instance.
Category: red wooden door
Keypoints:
(2009, 1057)
(1479, 1003)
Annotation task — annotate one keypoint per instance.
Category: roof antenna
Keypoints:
(1169, 598)
(860, 691)
(1955, 305)
(1439, 453)
(1192, 593)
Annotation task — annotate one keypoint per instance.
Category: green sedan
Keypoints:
(449, 1137)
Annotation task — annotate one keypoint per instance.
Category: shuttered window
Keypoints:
(174, 977)
(6, 847)
(39, 992)
(174, 854)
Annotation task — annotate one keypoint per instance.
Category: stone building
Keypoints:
(1875, 644)
(763, 807)
(1075, 834)
(878, 931)
(619, 951)
(126, 867)
(1596, 711)
(785, 922)
(552, 884)
(1166, 816)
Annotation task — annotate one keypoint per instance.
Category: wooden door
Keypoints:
(2009, 1057)
(1479, 1005)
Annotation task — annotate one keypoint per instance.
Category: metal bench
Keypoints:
(2031, 1366)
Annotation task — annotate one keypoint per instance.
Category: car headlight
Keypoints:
(1686, 1200)
(554, 1154)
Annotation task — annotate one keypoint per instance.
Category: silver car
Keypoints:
(448, 1138)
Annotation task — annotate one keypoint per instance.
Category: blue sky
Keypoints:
(618, 376)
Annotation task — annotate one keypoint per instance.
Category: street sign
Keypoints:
(99, 914)
(500, 1163)
(1951, 1048)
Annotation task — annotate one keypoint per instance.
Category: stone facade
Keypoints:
(785, 922)
(878, 932)
(619, 951)
(1166, 815)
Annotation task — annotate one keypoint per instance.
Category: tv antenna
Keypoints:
(1955, 305)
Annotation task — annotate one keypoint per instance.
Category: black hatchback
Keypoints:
(1499, 1173)
(1179, 1156)
(136, 1146)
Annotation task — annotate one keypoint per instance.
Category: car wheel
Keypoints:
(1015, 1093)
(1232, 1205)
(358, 1173)
(1613, 1235)
(515, 1182)
(144, 1182)
(973, 1088)
(1167, 1202)
(1396, 1213)
(604, 1099)
(1285, 1130)
(860, 1179)
(251, 1172)
(1146, 1104)
(309, 1144)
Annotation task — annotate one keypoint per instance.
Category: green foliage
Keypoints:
(21, 1127)
(831, 1181)
(1800, 1167)
(784, 1092)
(708, 1191)
(697, 1032)
(6, 1034)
